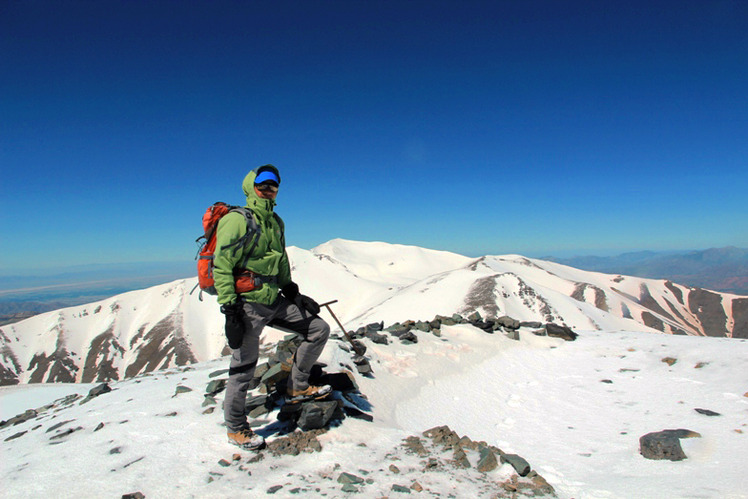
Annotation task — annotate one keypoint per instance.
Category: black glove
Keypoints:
(291, 291)
(234, 324)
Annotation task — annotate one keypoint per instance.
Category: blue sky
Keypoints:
(531, 127)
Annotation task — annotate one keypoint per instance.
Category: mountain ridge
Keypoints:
(723, 269)
(168, 325)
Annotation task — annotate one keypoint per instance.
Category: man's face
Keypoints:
(266, 191)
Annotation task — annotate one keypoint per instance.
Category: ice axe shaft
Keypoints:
(356, 348)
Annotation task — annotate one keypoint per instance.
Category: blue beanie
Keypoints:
(266, 175)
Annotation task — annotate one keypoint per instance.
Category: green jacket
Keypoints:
(268, 258)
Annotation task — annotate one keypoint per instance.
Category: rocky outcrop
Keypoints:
(407, 331)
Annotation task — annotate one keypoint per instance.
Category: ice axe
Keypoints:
(358, 348)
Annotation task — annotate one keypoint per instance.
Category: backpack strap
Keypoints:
(282, 228)
(252, 235)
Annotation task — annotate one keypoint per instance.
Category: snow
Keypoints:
(539, 397)
(574, 410)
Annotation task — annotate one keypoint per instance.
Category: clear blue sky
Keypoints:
(532, 127)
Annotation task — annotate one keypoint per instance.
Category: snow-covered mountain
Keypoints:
(168, 325)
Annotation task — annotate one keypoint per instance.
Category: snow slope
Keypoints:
(574, 410)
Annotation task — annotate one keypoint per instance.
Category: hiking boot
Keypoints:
(310, 393)
(246, 439)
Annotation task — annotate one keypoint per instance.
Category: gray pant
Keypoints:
(283, 315)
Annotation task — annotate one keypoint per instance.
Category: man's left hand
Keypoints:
(304, 302)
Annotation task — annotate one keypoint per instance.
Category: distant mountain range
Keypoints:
(167, 325)
(718, 269)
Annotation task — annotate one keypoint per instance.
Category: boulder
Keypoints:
(521, 466)
(376, 326)
(315, 415)
(665, 444)
(376, 337)
(487, 461)
(508, 322)
(475, 316)
(563, 332)
(216, 386)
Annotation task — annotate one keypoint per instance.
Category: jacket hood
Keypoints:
(253, 200)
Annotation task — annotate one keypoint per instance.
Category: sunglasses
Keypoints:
(266, 187)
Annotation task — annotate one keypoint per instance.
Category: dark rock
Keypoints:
(487, 461)
(376, 326)
(220, 372)
(563, 332)
(531, 324)
(398, 330)
(445, 321)
(315, 415)
(274, 489)
(181, 389)
(95, 392)
(474, 317)
(258, 401)
(59, 425)
(409, 336)
(209, 400)
(400, 488)
(376, 337)
(261, 369)
(289, 412)
(422, 326)
(665, 444)
(133, 495)
(216, 386)
(15, 436)
(707, 412)
(21, 418)
(508, 322)
(348, 478)
(521, 466)
(273, 375)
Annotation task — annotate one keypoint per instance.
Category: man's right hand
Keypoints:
(234, 324)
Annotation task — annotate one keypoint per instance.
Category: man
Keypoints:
(254, 287)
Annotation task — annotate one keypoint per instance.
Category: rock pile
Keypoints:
(406, 331)
(268, 389)
(441, 441)
(434, 462)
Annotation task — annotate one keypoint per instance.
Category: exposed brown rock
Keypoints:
(707, 307)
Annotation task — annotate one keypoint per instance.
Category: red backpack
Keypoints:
(207, 242)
